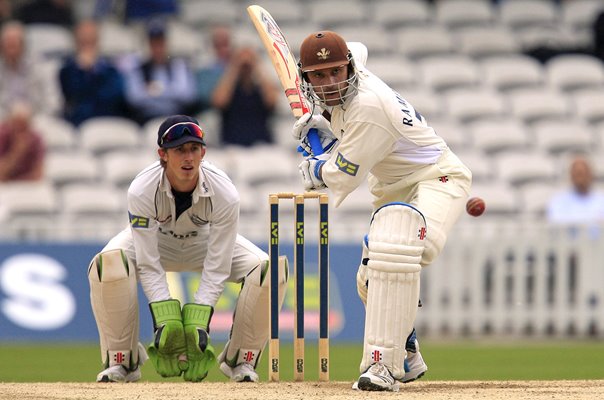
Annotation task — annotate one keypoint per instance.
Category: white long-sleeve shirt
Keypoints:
(381, 136)
(210, 222)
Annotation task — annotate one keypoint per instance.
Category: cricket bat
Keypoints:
(285, 65)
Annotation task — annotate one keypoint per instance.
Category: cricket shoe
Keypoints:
(118, 373)
(377, 379)
(243, 372)
(415, 367)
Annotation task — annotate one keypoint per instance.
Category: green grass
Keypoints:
(447, 361)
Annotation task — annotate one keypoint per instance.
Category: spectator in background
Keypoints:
(6, 11)
(21, 148)
(57, 12)
(580, 204)
(161, 85)
(91, 85)
(210, 73)
(246, 99)
(19, 80)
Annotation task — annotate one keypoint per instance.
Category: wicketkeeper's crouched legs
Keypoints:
(249, 333)
(113, 296)
(394, 249)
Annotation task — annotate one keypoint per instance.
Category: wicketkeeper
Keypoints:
(183, 216)
(419, 186)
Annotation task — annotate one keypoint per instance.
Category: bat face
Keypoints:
(281, 57)
(279, 43)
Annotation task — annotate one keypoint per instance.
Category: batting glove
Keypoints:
(167, 352)
(200, 354)
(310, 169)
(328, 143)
(301, 129)
(308, 121)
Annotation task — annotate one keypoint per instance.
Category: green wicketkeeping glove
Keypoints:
(167, 352)
(200, 354)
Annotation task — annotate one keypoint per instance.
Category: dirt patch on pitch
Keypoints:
(533, 390)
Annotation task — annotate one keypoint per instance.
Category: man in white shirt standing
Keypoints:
(419, 187)
(580, 204)
(183, 216)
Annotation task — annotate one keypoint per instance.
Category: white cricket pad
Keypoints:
(395, 243)
(249, 334)
(113, 296)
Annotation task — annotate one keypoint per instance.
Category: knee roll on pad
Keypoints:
(113, 296)
(110, 266)
(249, 333)
(397, 237)
(395, 245)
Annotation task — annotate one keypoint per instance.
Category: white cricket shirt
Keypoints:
(210, 222)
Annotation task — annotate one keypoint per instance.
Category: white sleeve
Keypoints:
(144, 229)
(219, 258)
(364, 145)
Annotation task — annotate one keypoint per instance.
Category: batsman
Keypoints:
(183, 214)
(419, 189)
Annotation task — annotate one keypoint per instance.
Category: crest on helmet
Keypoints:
(323, 54)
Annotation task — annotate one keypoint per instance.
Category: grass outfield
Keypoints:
(452, 361)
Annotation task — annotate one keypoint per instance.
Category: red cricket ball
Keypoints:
(475, 206)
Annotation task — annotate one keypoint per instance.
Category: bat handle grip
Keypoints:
(315, 142)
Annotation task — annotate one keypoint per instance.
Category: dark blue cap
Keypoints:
(181, 131)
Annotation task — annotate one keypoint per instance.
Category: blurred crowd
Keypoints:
(149, 84)
(144, 85)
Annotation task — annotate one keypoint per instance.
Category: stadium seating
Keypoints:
(511, 72)
(461, 63)
(528, 13)
(286, 12)
(119, 167)
(455, 14)
(49, 41)
(397, 13)
(331, 14)
(572, 71)
(101, 134)
(116, 40)
(498, 135)
(563, 136)
(71, 166)
(520, 168)
(445, 72)
(417, 42)
(589, 104)
(452, 132)
(395, 71)
(207, 12)
(57, 133)
(469, 104)
(486, 41)
(531, 105)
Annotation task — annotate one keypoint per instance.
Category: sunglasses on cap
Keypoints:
(181, 133)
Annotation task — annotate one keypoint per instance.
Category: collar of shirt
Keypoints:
(203, 188)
